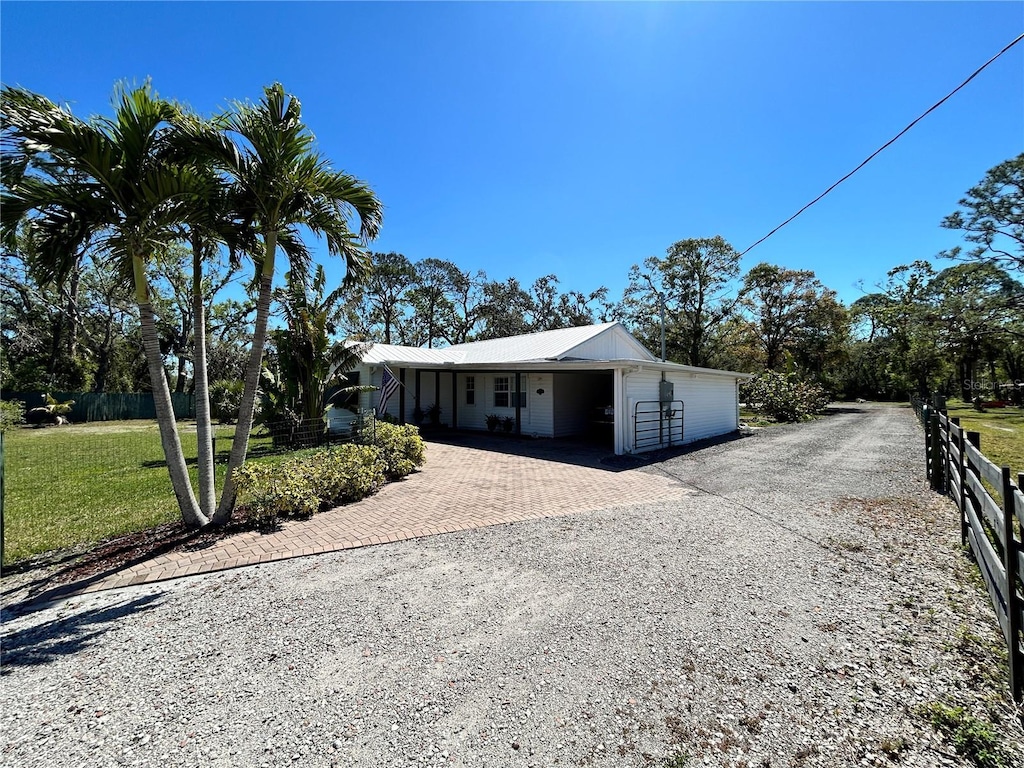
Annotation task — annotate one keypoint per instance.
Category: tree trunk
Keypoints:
(204, 425)
(252, 380)
(72, 312)
(179, 382)
(191, 515)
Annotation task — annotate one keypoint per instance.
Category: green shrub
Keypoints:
(303, 486)
(346, 473)
(12, 412)
(226, 399)
(268, 492)
(401, 447)
(783, 397)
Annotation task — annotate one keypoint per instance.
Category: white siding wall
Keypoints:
(709, 402)
(370, 399)
(710, 406)
(536, 416)
(610, 346)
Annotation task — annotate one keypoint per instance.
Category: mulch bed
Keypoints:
(51, 569)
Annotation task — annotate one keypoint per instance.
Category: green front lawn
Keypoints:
(78, 484)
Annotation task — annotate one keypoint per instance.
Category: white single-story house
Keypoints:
(594, 380)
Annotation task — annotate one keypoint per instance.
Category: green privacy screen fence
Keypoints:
(109, 406)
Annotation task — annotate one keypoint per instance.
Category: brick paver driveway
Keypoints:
(482, 481)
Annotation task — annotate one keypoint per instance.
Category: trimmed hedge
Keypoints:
(346, 473)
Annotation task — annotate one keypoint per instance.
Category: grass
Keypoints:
(78, 484)
(974, 739)
(1001, 430)
(755, 419)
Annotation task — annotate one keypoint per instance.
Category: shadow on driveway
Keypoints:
(579, 452)
(46, 642)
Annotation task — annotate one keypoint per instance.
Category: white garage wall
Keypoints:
(709, 402)
(709, 406)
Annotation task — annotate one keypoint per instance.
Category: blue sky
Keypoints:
(578, 138)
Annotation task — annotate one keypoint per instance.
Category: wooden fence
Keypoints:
(991, 521)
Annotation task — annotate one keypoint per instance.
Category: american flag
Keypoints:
(388, 387)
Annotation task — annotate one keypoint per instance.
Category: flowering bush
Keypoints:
(783, 396)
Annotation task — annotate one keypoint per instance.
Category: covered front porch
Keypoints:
(525, 401)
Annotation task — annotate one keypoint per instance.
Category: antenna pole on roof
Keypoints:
(661, 302)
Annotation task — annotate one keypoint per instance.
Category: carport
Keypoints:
(595, 382)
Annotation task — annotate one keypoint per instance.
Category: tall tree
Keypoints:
(781, 304)
(507, 310)
(281, 184)
(992, 216)
(436, 281)
(377, 306)
(108, 182)
(466, 305)
(696, 280)
(916, 360)
(227, 341)
(973, 308)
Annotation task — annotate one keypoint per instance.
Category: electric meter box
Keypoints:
(667, 391)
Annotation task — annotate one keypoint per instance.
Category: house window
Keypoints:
(502, 390)
(504, 397)
(470, 390)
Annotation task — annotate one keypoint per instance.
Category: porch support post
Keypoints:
(455, 400)
(419, 403)
(401, 396)
(519, 405)
(437, 387)
(619, 409)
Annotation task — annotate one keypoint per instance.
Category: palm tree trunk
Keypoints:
(204, 426)
(191, 515)
(252, 380)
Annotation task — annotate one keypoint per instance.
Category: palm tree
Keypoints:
(310, 361)
(107, 181)
(211, 220)
(281, 184)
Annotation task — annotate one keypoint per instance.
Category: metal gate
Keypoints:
(657, 424)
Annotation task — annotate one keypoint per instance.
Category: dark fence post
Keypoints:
(926, 423)
(1013, 605)
(974, 438)
(944, 424)
(935, 439)
(961, 501)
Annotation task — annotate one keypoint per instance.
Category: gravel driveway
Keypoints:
(796, 609)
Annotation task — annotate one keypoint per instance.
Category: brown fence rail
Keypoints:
(991, 509)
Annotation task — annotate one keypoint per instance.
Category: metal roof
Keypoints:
(543, 345)
(532, 349)
(395, 353)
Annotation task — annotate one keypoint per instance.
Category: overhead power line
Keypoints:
(872, 156)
